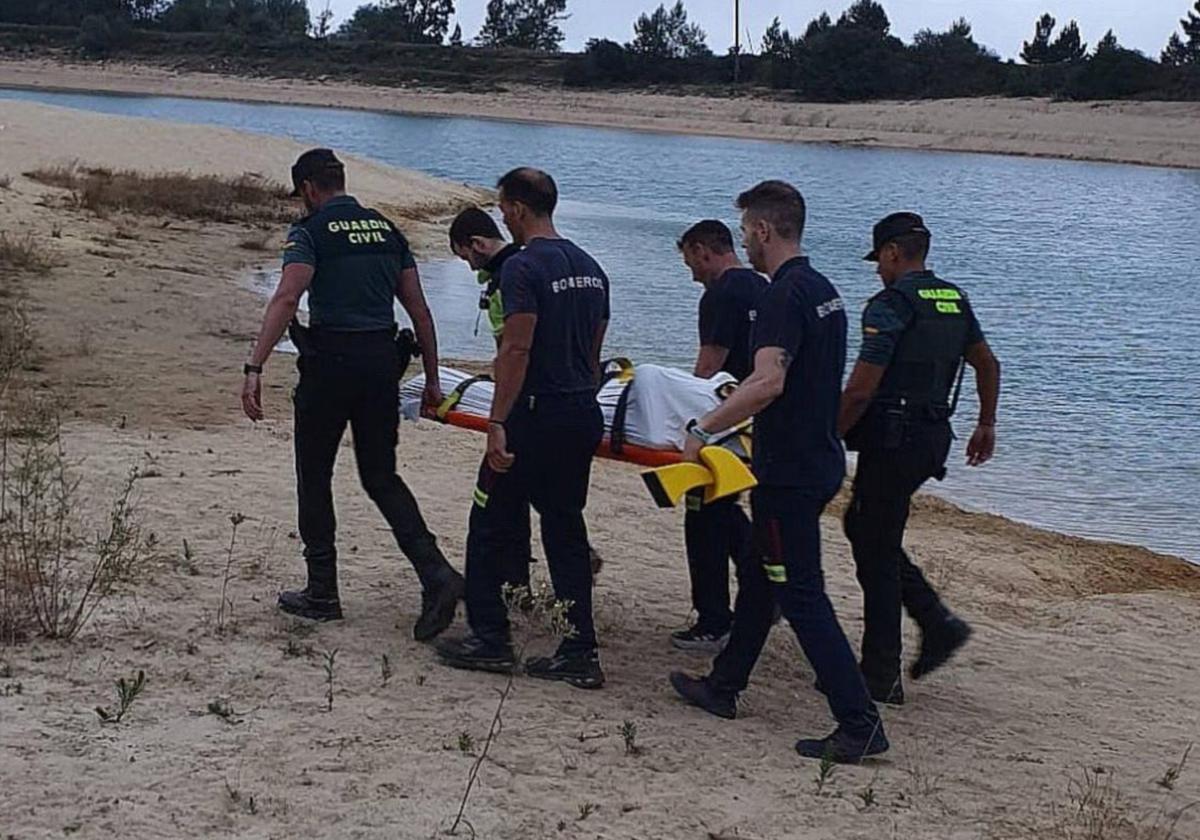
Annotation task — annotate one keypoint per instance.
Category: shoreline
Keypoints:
(1079, 658)
(1156, 134)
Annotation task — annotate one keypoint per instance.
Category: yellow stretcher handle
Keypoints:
(721, 473)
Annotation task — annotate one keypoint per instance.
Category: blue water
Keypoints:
(1082, 275)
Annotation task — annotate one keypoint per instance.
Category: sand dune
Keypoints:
(1085, 665)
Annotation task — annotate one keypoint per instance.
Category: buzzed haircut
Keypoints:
(777, 203)
(712, 234)
(913, 246)
(470, 223)
(329, 179)
(531, 187)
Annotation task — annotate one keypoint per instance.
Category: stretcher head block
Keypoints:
(720, 474)
(730, 475)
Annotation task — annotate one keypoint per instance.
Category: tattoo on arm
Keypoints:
(784, 359)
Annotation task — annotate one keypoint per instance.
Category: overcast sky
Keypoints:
(999, 24)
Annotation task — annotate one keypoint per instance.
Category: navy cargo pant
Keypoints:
(553, 440)
(353, 379)
(884, 484)
(714, 534)
(785, 568)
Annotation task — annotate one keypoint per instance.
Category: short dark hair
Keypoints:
(913, 246)
(531, 187)
(470, 223)
(331, 179)
(779, 204)
(712, 234)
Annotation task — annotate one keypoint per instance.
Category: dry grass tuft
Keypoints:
(1097, 809)
(210, 198)
(56, 566)
(23, 253)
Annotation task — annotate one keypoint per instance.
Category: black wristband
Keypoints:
(248, 369)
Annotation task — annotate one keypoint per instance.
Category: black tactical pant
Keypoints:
(354, 379)
(714, 534)
(884, 484)
(554, 441)
(785, 569)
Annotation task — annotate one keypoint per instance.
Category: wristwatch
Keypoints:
(248, 369)
(706, 438)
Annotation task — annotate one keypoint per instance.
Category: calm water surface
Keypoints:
(1082, 274)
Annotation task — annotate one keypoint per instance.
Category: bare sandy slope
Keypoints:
(1152, 133)
(1086, 658)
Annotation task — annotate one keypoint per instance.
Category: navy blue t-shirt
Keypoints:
(727, 311)
(567, 290)
(795, 438)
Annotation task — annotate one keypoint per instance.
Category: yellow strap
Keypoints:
(448, 404)
(625, 368)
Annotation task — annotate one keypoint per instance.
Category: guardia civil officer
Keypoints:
(799, 342)
(353, 263)
(716, 533)
(544, 427)
(917, 333)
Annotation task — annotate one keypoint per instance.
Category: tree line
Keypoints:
(853, 57)
(856, 57)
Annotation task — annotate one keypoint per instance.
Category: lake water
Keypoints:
(1083, 276)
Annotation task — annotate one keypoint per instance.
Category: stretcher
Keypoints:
(646, 409)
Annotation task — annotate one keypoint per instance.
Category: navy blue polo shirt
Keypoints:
(795, 438)
(567, 290)
(727, 311)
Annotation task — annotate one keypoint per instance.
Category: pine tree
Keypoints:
(777, 41)
(666, 33)
(1068, 47)
(1038, 51)
(818, 25)
(1185, 51)
(868, 14)
(524, 24)
(405, 21)
(456, 37)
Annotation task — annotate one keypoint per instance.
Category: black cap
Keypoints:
(893, 227)
(310, 164)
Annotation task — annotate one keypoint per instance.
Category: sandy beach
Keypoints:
(1067, 711)
(1149, 133)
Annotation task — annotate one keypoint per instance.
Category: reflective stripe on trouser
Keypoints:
(787, 526)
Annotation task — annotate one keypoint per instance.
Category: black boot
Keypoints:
(318, 600)
(304, 604)
(437, 607)
(581, 670)
(843, 748)
(939, 644)
(473, 654)
(699, 691)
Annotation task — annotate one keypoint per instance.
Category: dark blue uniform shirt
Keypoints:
(727, 312)
(567, 290)
(795, 438)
